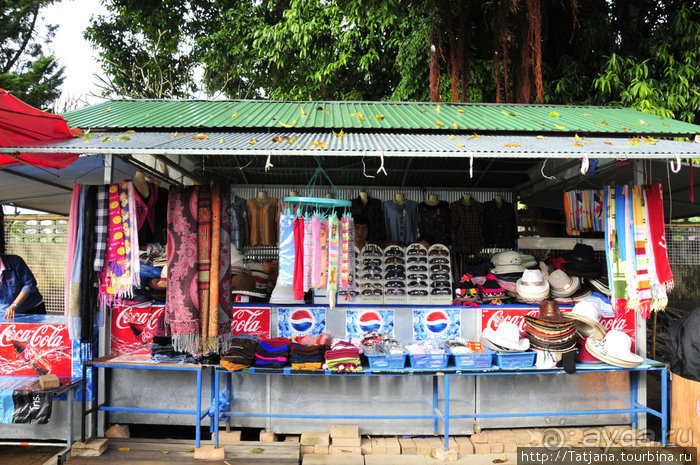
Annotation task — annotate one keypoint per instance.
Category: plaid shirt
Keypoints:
(467, 226)
(101, 228)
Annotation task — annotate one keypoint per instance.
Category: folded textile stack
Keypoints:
(375, 343)
(162, 351)
(241, 352)
(307, 357)
(424, 348)
(272, 353)
(549, 331)
(459, 346)
(343, 356)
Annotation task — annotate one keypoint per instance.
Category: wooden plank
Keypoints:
(685, 412)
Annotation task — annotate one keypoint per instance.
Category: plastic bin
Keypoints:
(474, 360)
(386, 361)
(429, 360)
(516, 359)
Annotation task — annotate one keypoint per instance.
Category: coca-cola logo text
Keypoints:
(246, 320)
(150, 320)
(499, 316)
(48, 336)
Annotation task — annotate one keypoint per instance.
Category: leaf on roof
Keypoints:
(105, 111)
(553, 114)
(124, 449)
(460, 145)
(285, 124)
(577, 137)
(452, 137)
(560, 127)
(358, 114)
(455, 125)
(475, 136)
(541, 137)
(633, 141)
(379, 117)
(200, 137)
(643, 123)
(460, 111)
(587, 114)
(607, 142)
(130, 131)
(211, 116)
(234, 115)
(439, 123)
(602, 123)
(222, 140)
(665, 125)
(124, 138)
(649, 140)
(438, 108)
(514, 144)
(303, 112)
(175, 135)
(107, 139)
(577, 144)
(624, 128)
(148, 115)
(252, 141)
(339, 133)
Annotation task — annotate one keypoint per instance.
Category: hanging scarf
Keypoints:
(286, 258)
(351, 253)
(333, 253)
(75, 258)
(298, 280)
(225, 310)
(324, 253)
(308, 253)
(597, 211)
(631, 261)
(182, 298)
(344, 252)
(316, 252)
(88, 291)
(641, 257)
(659, 298)
(101, 216)
(657, 236)
(146, 210)
(617, 268)
(204, 247)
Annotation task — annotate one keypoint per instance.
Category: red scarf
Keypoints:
(658, 234)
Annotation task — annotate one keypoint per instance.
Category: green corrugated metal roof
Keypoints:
(248, 114)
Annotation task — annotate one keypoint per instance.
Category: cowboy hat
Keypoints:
(586, 316)
(506, 338)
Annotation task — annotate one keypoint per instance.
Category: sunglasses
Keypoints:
(372, 269)
(350, 293)
(417, 268)
(420, 252)
(372, 253)
(372, 261)
(394, 253)
(444, 291)
(418, 292)
(395, 284)
(441, 284)
(440, 277)
(395, 275)
(395, 292)
(369, 292)
(439, 261)
(371, 276)
(417, 276)
(396, 268)
(417, 260)
(439, 269)
(439, 252)
(372, 285)
(395, 260)
(418, 284)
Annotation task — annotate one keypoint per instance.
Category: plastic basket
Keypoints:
(429, 360)
(391, 361)
(516, 360)
(475, 359)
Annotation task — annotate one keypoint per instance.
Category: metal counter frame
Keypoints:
(108, 363)
(444, 416)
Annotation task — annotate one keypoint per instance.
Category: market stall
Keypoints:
(413, 166)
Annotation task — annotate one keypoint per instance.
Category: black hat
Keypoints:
(465, 289)
(581, 262)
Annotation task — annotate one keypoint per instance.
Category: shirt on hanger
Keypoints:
(151, 214)
(401, 221)
(435, 221)
(374, 212)
(467, 226)
(262, 222)
(500, 228)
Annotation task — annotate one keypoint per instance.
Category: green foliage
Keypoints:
(25, 70)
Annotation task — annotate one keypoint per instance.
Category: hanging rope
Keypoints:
(364, 167)
(381, 167)
(676, 168)
(542, 171)
(268, 164)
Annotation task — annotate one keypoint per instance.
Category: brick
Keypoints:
(392, 446)
(573, 434)
(423, 446)
(378, 446)
(118, 431)
(291, 438)
(479, 438)
(507, 435)
(209, 453)
(592, 437)
(446, 455)
(494, 435)
(395, 460)
(346, 442)
(366, 446)
(342, 450)
(321, 449)
(345, 431)
(453, 444)
(90, 448)
(230, 436)
(480, 448)
(267, 436)
(436, 443)
(509, 447)
(333, 460)
(315, 439)
(306, 450)
(496, 447)
(408, 446)
(536, 436)
(47, 382)
(465, 445)
(522, 437)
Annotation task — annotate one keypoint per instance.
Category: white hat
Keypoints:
(506, 338)
(237, 257)
(526, 260)
(507, 262)
(587, 318)
(532, 286)
(563, 285)
(614, 349)
(284, 294)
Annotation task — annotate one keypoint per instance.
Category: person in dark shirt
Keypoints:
(18, 291)
(361, 223)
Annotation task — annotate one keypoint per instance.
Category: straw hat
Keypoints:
(532, 287)
(506, 338)
(586, 316)
(563, 285)
(614, 349)
(244, 284)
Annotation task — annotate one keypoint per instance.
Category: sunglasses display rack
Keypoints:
(418, 286)
(394, 275)
(439, 275)
(351, 295)
(371, 275)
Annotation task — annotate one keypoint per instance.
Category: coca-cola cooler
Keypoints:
(132, 328)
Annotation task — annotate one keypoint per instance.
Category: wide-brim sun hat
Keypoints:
(563, 285)
(532, 286)
(243, 284)
(506, 338)
(586, 316)
(284, 294)
(581, 262)
(507, 262)
(614, 349)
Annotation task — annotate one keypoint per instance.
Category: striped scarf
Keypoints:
(344, 252)
(643, 301)
(333, 253)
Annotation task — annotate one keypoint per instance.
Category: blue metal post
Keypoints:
(215, 387)
(447, 412)
(664, 406)
(199, 407)
(435, 404)
(633, 377)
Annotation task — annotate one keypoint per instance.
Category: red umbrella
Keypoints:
(24, 125)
